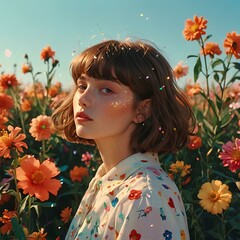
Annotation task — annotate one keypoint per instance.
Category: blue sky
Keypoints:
(69, 26)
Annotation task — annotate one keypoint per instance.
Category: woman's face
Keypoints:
(103, 109)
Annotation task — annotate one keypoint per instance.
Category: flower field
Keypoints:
(43, 177)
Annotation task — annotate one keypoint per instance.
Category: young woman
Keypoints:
(126, 102)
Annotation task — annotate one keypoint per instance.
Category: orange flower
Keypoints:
(6, 220)
(232, 44)
(66, 214)
(26, 68)
(37, 235)
(195, 142)
(3, 119)
(12, 140)
(180, 70)
(77, 173)
(53, 90)
(8, 80)
(210, 49)
(193, 89)
(37, 89)
(180, 168)
(26, 105)
(194, 29)
(41, 127)
(6, 101)
(47, 53)
(36, 179)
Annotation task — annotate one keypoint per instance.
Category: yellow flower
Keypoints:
(180, 168)
(215, 196)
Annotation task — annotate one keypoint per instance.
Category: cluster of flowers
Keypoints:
(44, 181)
(33, 172)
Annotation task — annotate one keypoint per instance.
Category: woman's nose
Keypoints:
(85, 98)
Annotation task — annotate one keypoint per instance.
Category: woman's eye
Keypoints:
(81, 87)
(106, 90)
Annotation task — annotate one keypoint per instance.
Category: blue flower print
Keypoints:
(167, 235)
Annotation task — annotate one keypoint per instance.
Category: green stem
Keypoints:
(29, 212)
(223, 227)
(43, 151)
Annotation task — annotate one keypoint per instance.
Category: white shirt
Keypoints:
(134, 200)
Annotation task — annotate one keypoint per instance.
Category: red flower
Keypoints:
(6, 101)
(77, 173)
(66, 214)
(12, 140)
(230, 155)
(134, 194)
(6, 220)
(8, 80)
(195, 142)
(194, 29)
(134, 235)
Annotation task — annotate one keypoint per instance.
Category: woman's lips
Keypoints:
(81, 116)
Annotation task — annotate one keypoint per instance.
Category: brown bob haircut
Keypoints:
(142, 68)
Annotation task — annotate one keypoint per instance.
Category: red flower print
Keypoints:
(134, 235)
(171, 203)
(134, 194)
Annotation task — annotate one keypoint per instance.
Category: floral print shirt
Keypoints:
(134, 200)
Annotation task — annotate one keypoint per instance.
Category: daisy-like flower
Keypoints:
(211, 49)
(37, 179)
(180, 70)
(47, 53)
(26, 68)
(77, 173)
(194, 29)
(6, 220)
(11, 140)
(195, 142)
(230, 155)
(8, 80)
(232, 44)
(215, 196)
(6, 101)
(41, 128)
(37, 235)
(180, 168)
(66, 214)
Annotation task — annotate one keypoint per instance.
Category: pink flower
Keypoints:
(230, 155)
(180, 70)
(86, 158)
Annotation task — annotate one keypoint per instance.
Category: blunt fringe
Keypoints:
(141, 67)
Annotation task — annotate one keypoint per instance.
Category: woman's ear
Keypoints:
(143, 111)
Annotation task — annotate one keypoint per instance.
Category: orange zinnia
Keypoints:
(53, 90)
(232, 44)
(6, 101)
(210, 49)
(26, 68)
(194, 29)
(180, 168)
(8, 80)
(36, 179)
(12, 140)
(6, 220)
(3, 119)
(66, 214)
(180, 70)
(77, 173)
(26, 105)
(41, 128)
(47, 53)
(193, 89)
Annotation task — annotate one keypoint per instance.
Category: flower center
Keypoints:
(215, 196)
(234, 45)
(236, 155)
(38, 177)
(7, 140)
(43, 126)
(194, 27)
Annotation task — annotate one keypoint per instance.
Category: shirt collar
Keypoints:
(109, 181)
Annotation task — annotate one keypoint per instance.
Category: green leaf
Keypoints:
(17, 229)
(207, 37)
(236, 65)
(23, 203)
(190, 56)
(45, 204)
(197, 69)
(217, 62)
(216, 77)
